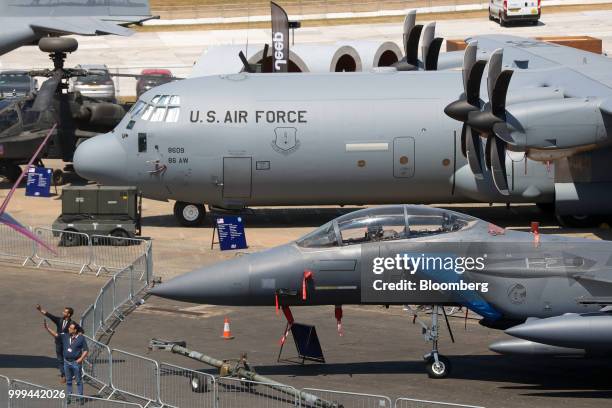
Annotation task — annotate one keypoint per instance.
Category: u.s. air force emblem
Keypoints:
(285, 140)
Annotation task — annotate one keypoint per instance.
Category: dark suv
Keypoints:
(156, 77)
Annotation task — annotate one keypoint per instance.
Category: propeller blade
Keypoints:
(498, 165)
(495, 66)
(472, 90)
(469, 59)
(429, 33)
(488, 144)
(265, 53)
(412, 45)
(245, 62)
(409, 23)
(473, 152)
(463, 140)
(45, 95)
(431, 61)
(500, 90)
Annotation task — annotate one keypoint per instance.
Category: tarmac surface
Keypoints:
(381, 351)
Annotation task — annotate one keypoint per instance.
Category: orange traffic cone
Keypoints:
(227, 333)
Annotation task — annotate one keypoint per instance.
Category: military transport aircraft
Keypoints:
(25, 22)
(406, 254)
(536, 128)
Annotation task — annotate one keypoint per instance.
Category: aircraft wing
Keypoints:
(26, 21)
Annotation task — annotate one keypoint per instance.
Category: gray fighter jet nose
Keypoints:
(245, 280)
(101, 159)
(226, 283)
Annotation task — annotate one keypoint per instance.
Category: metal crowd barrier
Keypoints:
(71, 248)
(120, 290)
(92, 402)
(16, 246)
(111, 253)
(5, 386)
(349, 399)
(417, 403)
(184, 388)
(134, 375)
(98, 364)
(239, 393)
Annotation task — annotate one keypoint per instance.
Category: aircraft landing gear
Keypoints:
(188, 214)
(10, 171)
(436, 365)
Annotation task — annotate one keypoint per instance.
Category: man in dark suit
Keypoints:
(62, 324)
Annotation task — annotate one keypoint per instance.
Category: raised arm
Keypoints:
(50, 330)
(48, 315)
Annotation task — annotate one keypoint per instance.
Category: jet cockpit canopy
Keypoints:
(386, 223)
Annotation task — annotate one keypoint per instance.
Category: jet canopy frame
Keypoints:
(387, 223)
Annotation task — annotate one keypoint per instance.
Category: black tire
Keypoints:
(58, 177)
(119, 233)
(491, 18)
(69, 240)
(579, 221)
(58, 44)
(441, 370)
(188, 214)
(198, 383)
(502, 22)
(11, 172)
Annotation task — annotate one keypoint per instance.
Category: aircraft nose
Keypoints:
(101, 159)
(226, 283)
(244, 280)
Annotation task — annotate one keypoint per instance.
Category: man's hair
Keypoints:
(70, 310)
(76, 326)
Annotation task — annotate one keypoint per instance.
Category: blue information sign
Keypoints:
(39, 182)
(231, 232)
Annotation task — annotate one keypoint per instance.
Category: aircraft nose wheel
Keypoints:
(438, 369)
(189, 214)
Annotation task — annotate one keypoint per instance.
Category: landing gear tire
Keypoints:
(439, 369)
(502, 21)
(547, 208)
(58, 177)
(198, 384)
(579, 221)
(188, 214)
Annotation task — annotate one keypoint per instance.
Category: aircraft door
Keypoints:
(237, 177)
(403, 157)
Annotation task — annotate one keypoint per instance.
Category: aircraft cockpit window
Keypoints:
(322, 237)
(164, 100)
(137, 108)
(371, 228)
(422, 225)
(8, 118)
(146, 114)
(158, 114)
(175, 100)
(173, 114)
(155, 99)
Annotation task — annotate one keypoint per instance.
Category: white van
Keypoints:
(515, 10)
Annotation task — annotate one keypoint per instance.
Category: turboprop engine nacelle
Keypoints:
(553, 129)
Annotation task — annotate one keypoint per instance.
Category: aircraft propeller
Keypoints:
(490, 122)
(469, 102)
(250, 68)
(430, 49)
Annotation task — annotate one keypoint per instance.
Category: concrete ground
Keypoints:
(380, 352)
(178, 50)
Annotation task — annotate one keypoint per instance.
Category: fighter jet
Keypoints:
(406, 254)
(27, 21)
(535, 128)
